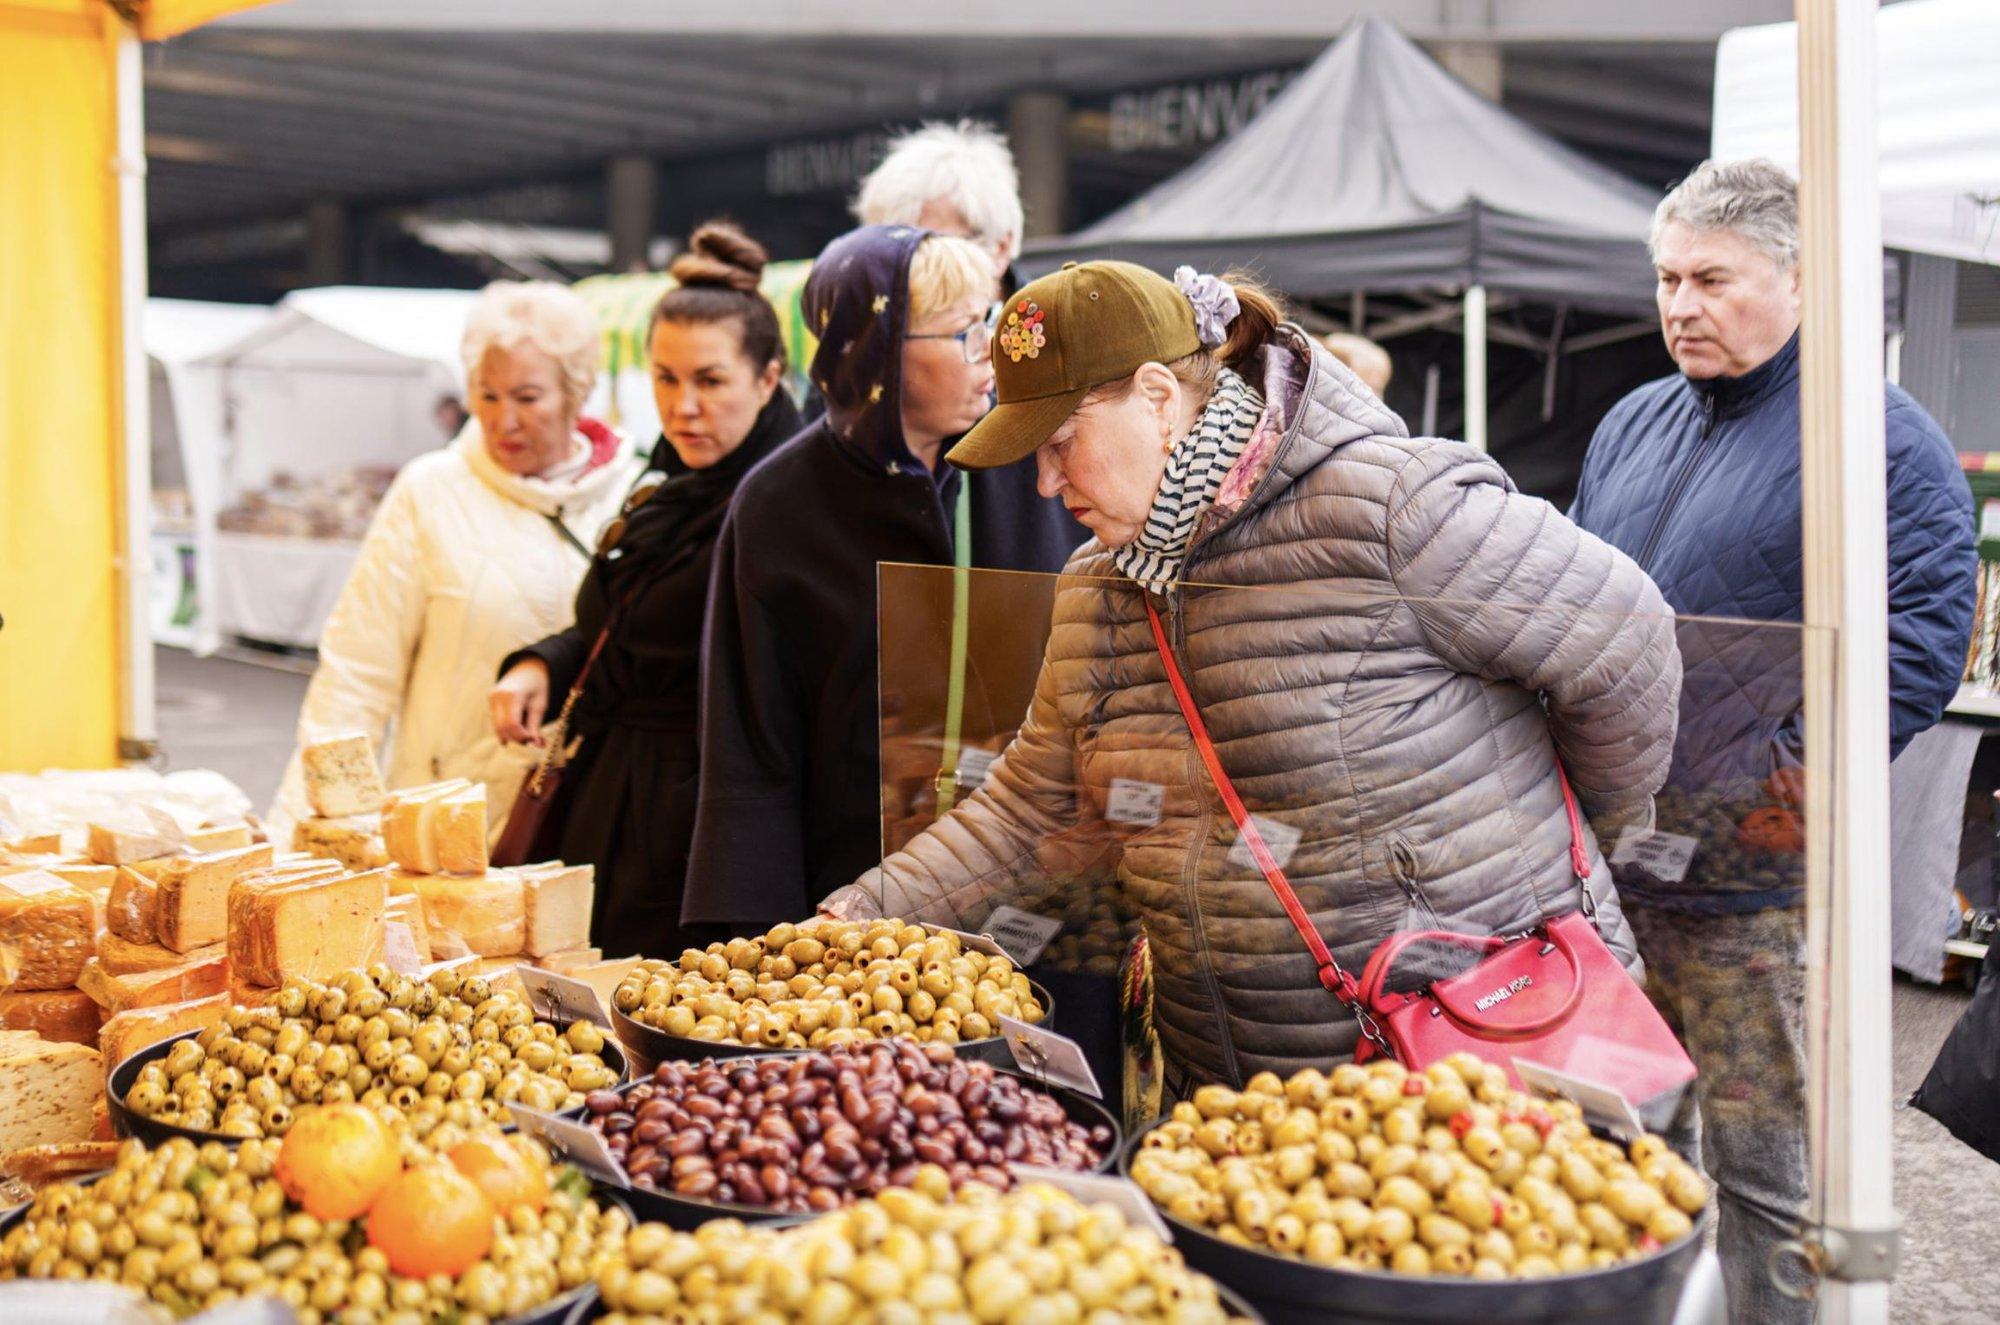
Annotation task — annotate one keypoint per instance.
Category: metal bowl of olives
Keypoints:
(820, 984)
(1375, 1235)
(648, 1046)
(837, 1093)
(130, 1121)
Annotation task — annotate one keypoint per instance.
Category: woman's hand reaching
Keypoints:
(518, 704)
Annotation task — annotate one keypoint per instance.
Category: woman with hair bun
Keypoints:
(627, 802)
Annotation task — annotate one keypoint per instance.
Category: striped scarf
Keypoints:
(1195, 471)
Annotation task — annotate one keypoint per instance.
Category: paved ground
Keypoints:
(238, 719)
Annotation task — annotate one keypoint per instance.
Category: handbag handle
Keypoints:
(1454, 1004)
(1466, 1013)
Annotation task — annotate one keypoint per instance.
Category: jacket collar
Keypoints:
(1735, 395)
(610, 450)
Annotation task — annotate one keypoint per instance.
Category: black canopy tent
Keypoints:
(1376, 172)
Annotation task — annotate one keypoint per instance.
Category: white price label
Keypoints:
(576, 1142)
(1665, 856)
(1137, 803)
(1023, 935)
(399, 948)
(1280, 839)
(974, 942)
(560, 999)
(973, 765)
(33, 883)
(1122, 1194)
(1604, 1107)
(1049, 1057)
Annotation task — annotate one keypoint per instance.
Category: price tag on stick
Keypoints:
(558, 998)
(1122, 1194)
(1050, 1058)
(581, 1145)
(1022, 934)
(1133, 802)
(1604, 1107)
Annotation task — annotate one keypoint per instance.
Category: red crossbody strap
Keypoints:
(1331, 973)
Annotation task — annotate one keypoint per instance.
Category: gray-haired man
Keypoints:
(1696, 476)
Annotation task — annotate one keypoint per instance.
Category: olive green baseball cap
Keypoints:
(1058, 337)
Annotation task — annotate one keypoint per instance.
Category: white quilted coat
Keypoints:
(460, 567)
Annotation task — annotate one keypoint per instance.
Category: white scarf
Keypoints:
(1195, 471)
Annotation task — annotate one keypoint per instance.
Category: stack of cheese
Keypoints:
(51, 1093)
(344, 786)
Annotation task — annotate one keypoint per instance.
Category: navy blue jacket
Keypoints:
(1698, 481)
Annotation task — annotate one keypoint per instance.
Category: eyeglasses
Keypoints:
(975, 342)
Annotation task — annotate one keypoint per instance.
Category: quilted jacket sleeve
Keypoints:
(368, 644)
(987, 847)
(1505, 587)
(1933, 570)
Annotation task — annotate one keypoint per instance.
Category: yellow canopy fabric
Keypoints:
(61, 412)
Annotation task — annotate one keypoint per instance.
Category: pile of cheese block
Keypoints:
(446, 900)
(151, 930)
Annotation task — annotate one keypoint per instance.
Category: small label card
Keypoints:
(1665, 856)
(575, 1142)
(1604, 1107)
(973, 766)
(1281, 839)
(399, 948)
(1023, 934)
(1046, 1056)
(975, 942)
(1136, 803)
(1124, 1195)
(560, 999)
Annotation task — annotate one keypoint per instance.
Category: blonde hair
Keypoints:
(550, 317)
(1258, 316)
(967, 165)
(945, 271)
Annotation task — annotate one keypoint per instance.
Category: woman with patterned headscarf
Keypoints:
(790, 789)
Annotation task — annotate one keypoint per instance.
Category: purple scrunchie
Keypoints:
(1215, 304)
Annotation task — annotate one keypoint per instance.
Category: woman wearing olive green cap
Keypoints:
(1408, 647)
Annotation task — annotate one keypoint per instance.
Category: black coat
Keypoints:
(790, 805)
(628, 801)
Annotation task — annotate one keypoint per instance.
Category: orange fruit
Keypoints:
(508, 1170)
(431, 1219)
(336, 1160)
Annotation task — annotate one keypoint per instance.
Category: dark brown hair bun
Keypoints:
(719, 254)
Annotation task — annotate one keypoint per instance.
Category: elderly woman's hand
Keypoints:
(518, 704)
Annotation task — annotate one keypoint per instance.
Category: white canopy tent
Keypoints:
(334, 379)
(1939, 115)
(186, 408)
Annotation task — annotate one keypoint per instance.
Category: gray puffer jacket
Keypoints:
(1389, 646)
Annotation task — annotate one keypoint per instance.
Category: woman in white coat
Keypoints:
(476, 547)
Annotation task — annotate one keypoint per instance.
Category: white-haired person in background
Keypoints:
(959, 180)
(476, 548)
(952, 179)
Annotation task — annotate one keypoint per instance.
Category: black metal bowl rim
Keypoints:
(569, 1303)
(1448, 1283)
(762, 1214)
(128, 1069)
(682, 1044)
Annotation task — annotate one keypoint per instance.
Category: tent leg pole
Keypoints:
(1357, 313)
(1846, 654)
(138, 733)
(1431, 380)
(1475, 367)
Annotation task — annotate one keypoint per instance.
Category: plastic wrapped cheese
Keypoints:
(342, 777)
(48, 930)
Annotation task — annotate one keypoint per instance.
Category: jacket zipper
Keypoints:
(1191, 872)
(1681, 481)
